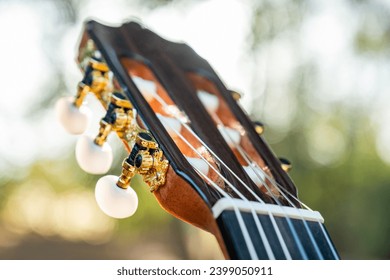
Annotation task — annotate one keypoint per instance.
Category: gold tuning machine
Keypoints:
(119, 118)
(97, 80)
(145, 159)
(71, 112)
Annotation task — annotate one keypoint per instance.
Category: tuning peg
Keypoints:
(285, 164)
(91, 157)
(73, 118)
(145, 159)
(95, 155)
(71, 112)
(259, 127)
(113, 200)
(114, 195)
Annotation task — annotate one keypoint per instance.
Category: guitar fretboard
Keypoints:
(254, 230)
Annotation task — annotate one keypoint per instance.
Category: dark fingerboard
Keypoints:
(294, 232)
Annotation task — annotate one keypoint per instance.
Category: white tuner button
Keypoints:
(147, 88)
(231, 136)
(210, 101)
(114, 201)
(74, 120)
(172, 125)
(91, 157)
(199, 164)
(256, 174)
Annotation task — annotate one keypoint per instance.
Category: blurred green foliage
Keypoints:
(352, 192)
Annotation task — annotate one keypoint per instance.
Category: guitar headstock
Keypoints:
(184, 131)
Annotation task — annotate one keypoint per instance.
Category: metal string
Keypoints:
(261, 231)
(252, 164)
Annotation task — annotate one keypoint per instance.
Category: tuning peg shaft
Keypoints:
(95, 155)
(114, 195)
(259, 127)
(285, 164)
(236, 95)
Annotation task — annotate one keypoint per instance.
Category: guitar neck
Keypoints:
(252, 230)
(251, 223)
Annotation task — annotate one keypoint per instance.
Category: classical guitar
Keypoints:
(203, 159)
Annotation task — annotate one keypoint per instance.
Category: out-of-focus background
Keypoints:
(317, 73)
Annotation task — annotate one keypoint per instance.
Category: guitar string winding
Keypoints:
(258, 224)
(278, 186)
(256, 171)
(252, 164)
(238, 214)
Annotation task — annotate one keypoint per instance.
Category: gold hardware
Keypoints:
(144, 162)
(82, 91)
(285, 164)
(145, 159)
(236, 96)
(100, 66)
(259, 127)
(96, 81)
(121, 102)
(100, 85)
(104, 131)
(145, 140)
(119, 118)
(128, 172)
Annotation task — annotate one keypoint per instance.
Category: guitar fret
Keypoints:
(227, 221)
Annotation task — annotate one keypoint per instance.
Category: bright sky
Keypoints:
(217, 31)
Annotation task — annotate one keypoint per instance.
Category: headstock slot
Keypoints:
(244, 150)
(190, 62)
(138, 43)
(203, 76)
(171, 84)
